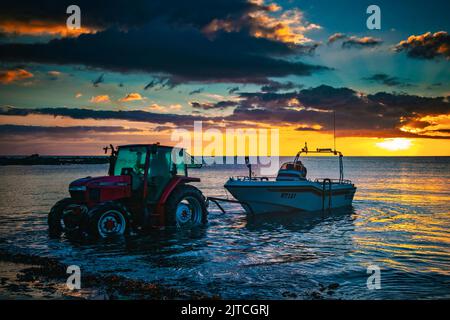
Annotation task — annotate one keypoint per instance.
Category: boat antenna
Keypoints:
(334, 129)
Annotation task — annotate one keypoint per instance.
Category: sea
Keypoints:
(398, 230)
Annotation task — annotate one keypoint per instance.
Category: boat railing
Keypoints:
(247, 178)
(318, 180)
(334, 181)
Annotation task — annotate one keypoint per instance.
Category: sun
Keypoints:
(395, 144)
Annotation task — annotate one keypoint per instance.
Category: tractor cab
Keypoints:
(147, 184)
(150, 168)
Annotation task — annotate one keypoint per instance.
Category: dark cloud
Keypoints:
(221, 105)
(183, 53)
(274, 86)
(354, 41)
(357, 114)
(125, 14)
(387, 80)
(131, 115)
(99, 80)
(159, 83)
(426, 46)
(233, 90)
(307, 129)
(160, 37)
(196, 91)
(375, 115)
(9, 129)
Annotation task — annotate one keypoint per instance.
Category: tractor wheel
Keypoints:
(186, 207)
(108, 219)
(57, 222)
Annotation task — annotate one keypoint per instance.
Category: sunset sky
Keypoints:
(136, 70)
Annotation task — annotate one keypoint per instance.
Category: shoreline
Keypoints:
(33, 277)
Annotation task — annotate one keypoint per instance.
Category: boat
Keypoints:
(290, 190)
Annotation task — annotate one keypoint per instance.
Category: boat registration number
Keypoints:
(288, 195)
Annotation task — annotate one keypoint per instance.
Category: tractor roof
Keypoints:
(145, 145)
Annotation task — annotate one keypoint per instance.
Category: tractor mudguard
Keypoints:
(177, 180)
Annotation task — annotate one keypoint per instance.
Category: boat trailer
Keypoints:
(217, 201)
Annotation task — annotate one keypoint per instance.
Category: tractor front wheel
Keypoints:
(64, 216)
(108, 220)
(186, 207)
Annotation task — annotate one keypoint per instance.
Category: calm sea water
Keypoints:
(400, 221)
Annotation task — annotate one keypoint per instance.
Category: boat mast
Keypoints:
(334, 128)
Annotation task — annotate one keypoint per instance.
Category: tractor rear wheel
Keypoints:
(186, 207)
(108, 219)
(59, 218)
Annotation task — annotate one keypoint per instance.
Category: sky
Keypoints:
(137, 70)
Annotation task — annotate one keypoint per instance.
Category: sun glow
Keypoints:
(395, 144)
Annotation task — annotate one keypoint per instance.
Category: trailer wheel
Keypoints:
(56, 220)
(108, 220)
(186, 207)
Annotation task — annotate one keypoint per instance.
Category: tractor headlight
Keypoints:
(77, 188)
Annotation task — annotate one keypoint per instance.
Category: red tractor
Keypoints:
(147, 186)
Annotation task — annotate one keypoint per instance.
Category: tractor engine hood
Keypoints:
(99, 189)
(99, 182)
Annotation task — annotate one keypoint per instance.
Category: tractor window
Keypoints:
(159, 173)
(179, 161)
(133, 158)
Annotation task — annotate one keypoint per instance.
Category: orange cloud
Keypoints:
(157, 107)
(287, 27)
(429, 125)
(100, 99)
(40, 28)
(134, 96)
(9, 76)
(426, 46)
(54, 73)
(175, 106)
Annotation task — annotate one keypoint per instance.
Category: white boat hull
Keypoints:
(259, 197)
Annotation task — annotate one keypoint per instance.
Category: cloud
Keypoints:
(197, 91)
(157, 107)
(14, 75)
(221, 105)
(169, 40)
(134, 96)
(426, 46)
(54, 75)
(98, 80)
(80, 114)
(354, 41)
(104, 98)
(10, 130)
(335, 37)
(364, 42)
(233, 90)
(13, 28)
(382, 114)
(274, 86)
(387, 80)
(357, 114)
(268, 22)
